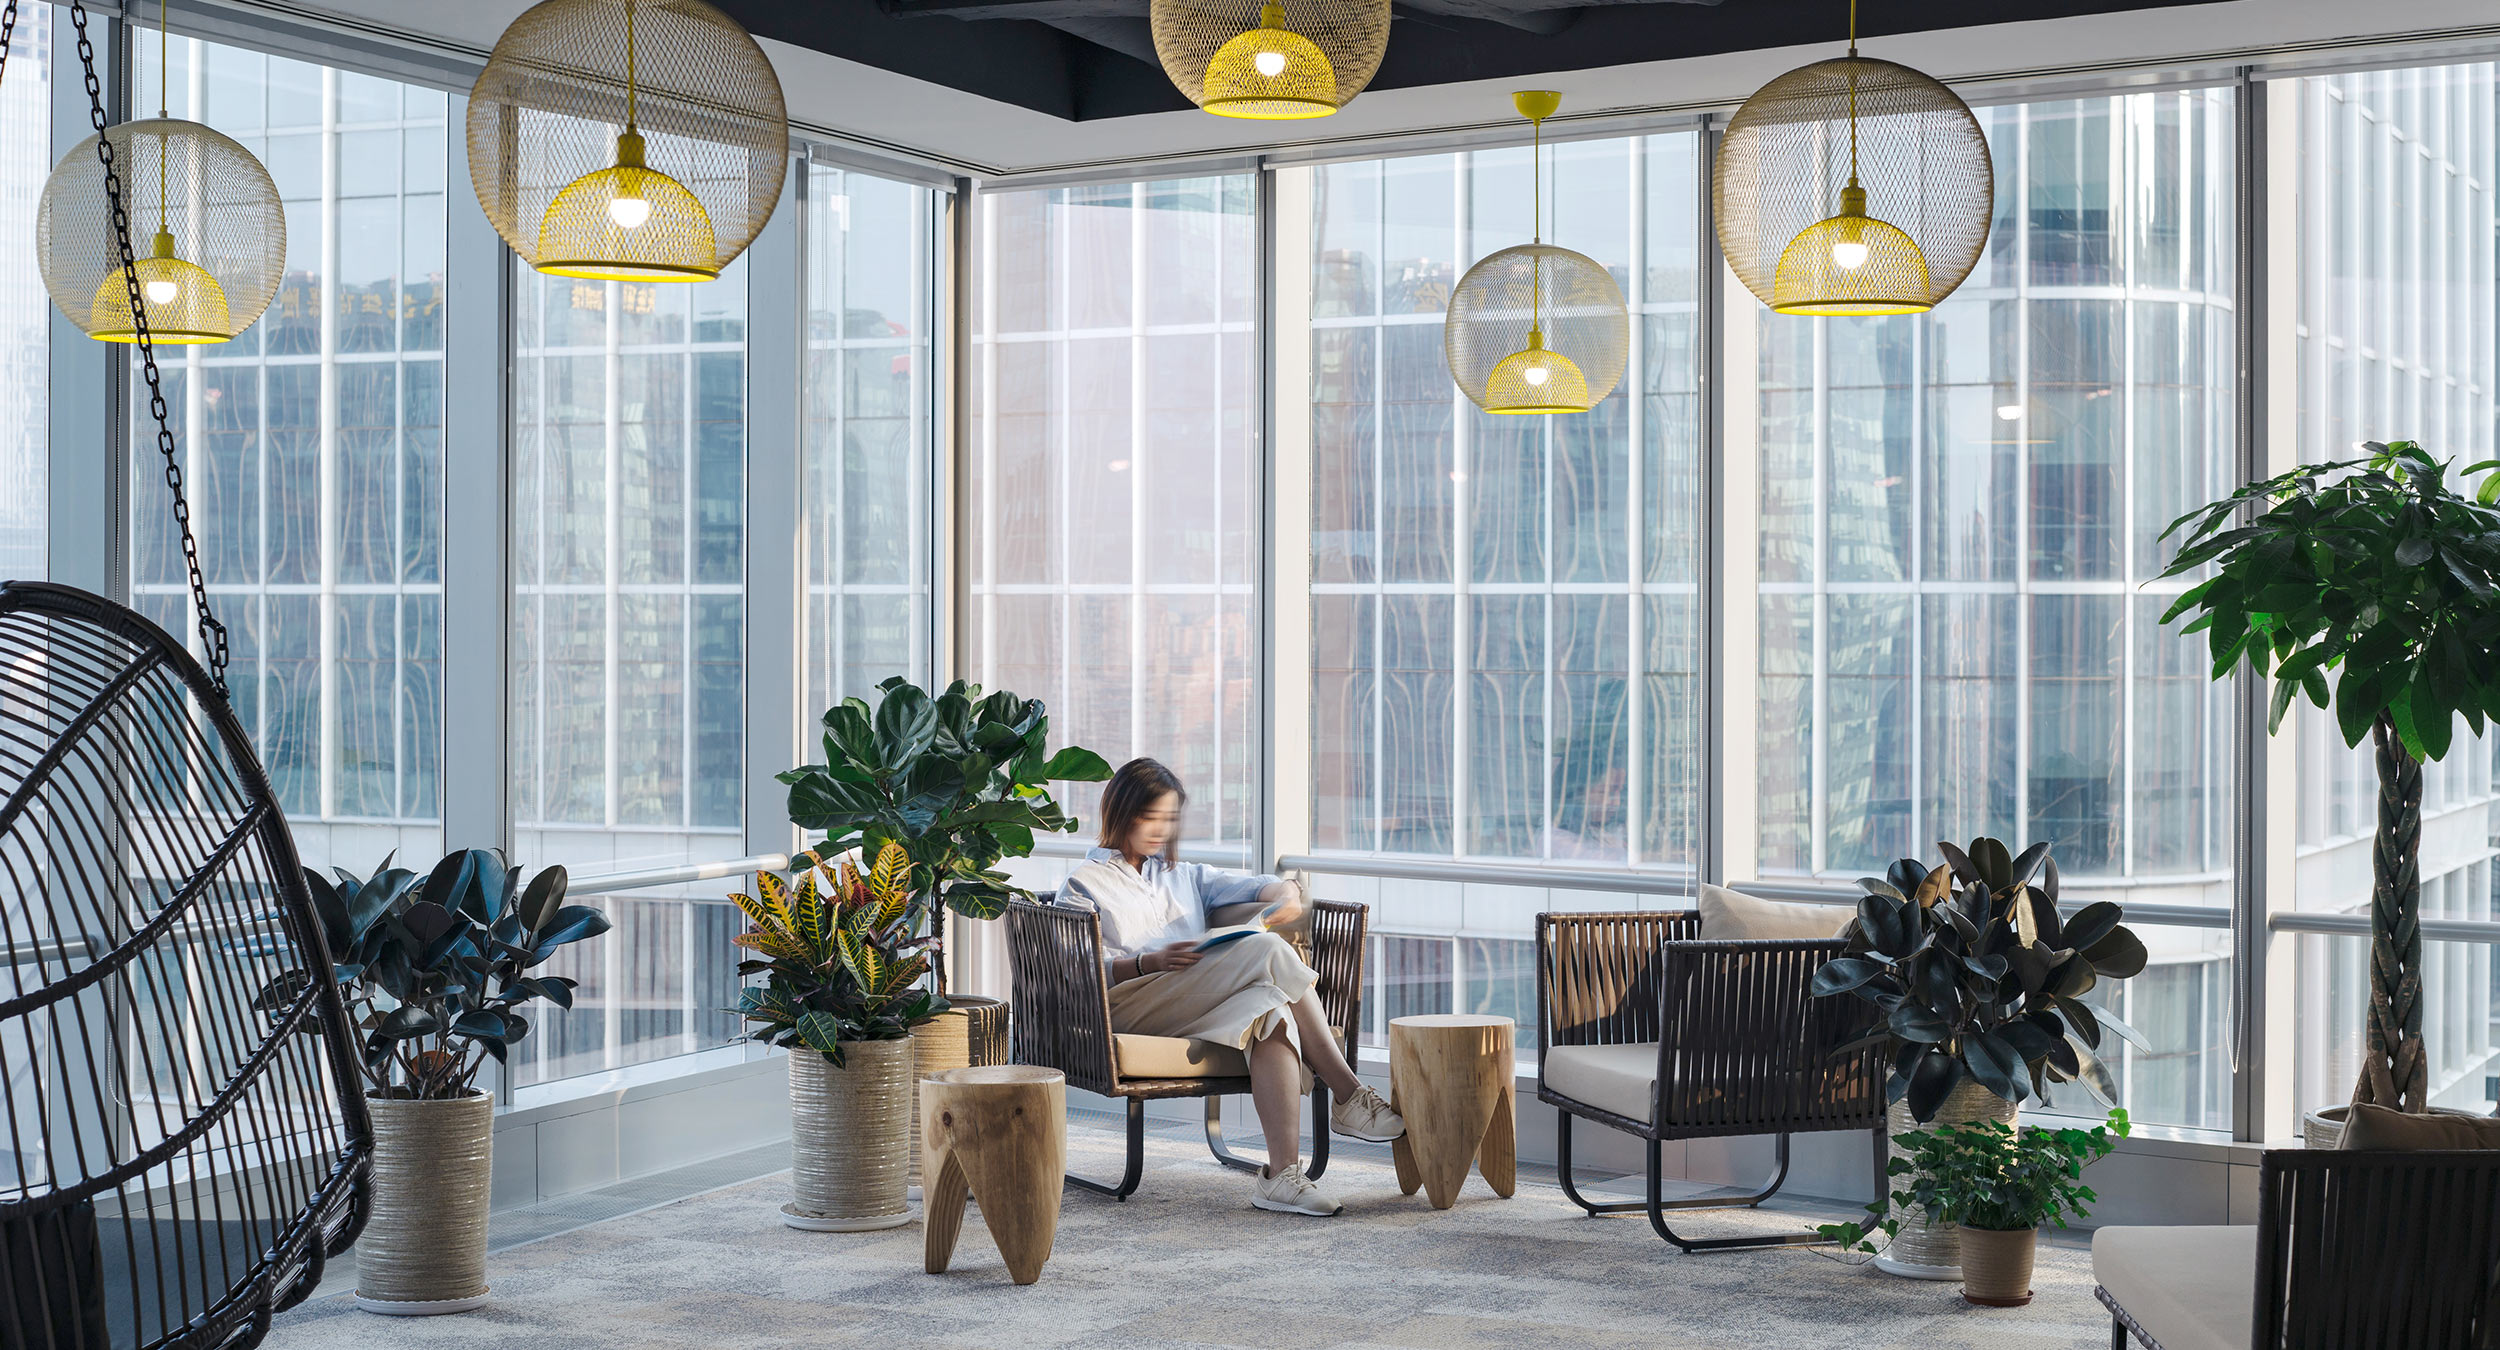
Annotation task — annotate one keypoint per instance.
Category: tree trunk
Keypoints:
(2395, 1071)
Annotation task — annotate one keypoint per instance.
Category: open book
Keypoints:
(1217, 937)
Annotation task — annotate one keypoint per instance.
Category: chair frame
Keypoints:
(1714, 1008)
(2366, 1250)
(1061, 1019)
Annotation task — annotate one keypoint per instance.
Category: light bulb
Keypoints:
(1535, 374)
(2009, 412)
(163, 292)
(629, 212)
(1849, 255)
(1270, 63)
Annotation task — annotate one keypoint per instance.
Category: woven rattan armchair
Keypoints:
(1644, 1028)
(2359, 1250)
(1062, 1020)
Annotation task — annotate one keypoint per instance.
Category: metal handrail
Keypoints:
(2358, 925)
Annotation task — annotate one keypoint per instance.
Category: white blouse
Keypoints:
(1158, 904)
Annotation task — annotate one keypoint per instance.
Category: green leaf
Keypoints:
(1075, 764)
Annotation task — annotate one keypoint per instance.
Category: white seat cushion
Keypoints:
(1733, 916)
(2189, 1288)
(1618, 1078)
(1176, 1057)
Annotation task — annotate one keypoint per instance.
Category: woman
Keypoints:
(1253, 994)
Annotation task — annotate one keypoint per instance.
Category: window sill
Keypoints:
(657, 1078)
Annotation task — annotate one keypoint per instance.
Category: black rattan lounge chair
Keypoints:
(1643, 1029)
(2361, 1250)
(1061, 1015)
(175, 1166)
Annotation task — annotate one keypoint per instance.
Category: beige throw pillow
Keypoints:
(1731, 916)
(2380, 1128)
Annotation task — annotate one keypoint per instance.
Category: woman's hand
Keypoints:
(1288, 895)
(1174, 956)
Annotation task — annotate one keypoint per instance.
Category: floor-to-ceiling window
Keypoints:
(871, 250)
(1504, 643)
(25, 309)
(629, 566)
(313, 448)
(1111, 474)
(1959, 520)
(2395, 232)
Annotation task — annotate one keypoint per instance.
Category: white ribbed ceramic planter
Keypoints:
(850, 1138)
(424, 1250)
(1926, 1250)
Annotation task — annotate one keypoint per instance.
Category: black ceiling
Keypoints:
(1087, 59)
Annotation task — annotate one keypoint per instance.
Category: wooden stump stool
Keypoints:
(998, 1133)
(1450, 1076)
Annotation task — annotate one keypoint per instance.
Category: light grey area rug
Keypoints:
(1187, 1262)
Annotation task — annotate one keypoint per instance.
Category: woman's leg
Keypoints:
(1320, 1048)
(1276, 1092)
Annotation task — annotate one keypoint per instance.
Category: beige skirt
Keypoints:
(1237, 995)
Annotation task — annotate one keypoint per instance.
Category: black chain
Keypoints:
(8, 26)
(212, 632)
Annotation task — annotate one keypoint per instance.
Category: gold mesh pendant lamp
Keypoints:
(1853, 186)
(628, 140)
(204, 215)
(1534, 328)
(1270, 59)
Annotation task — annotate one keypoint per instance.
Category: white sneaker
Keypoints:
(1290, 1192)
(1365, 1116)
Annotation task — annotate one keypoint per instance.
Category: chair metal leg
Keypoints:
(1659, 1205)
(1570, 1187)
(2117, 1333)
(1136, 1169)
(1258, 1166)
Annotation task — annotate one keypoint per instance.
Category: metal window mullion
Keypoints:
(1378, 490)
(611, 561)
(1818, 796)
(1462, 559)
(2023, 479)
(1917, 573)
(2124, 172)
(325, 615)
(1137, 472)
(1636, 785)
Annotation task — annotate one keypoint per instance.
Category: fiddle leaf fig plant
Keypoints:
(1980, 977)
(2367, 586)
(961, 781)
(435, 970)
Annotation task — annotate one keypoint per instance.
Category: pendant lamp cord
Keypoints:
(212, 631)
(1853, 93)
(164, 76)
(1536, 223)
(630, 73)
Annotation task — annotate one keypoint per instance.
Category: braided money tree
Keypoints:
(2366, 585)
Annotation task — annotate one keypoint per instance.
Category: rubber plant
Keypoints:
(961, 780)
(435, 970)
(2365, 585)
(1981, 977)
(841, 961)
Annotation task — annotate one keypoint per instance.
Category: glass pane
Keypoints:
(315, 476)
(1111, 477)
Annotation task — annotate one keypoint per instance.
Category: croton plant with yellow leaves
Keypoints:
(842, 955)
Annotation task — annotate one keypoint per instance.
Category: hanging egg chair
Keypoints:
(183, 1139)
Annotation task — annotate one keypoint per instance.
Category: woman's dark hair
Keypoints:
(1139, 784)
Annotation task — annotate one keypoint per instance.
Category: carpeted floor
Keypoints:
(1187, 1262)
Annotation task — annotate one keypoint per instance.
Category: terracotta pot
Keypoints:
(1924, 1249)
(1996, 1266)
(850, 1138)
(424, 1250)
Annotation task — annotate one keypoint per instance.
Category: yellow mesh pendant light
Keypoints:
(1270, 59)
(1535, 328)
(627, 140)
(204, 216)
(1853, 186)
